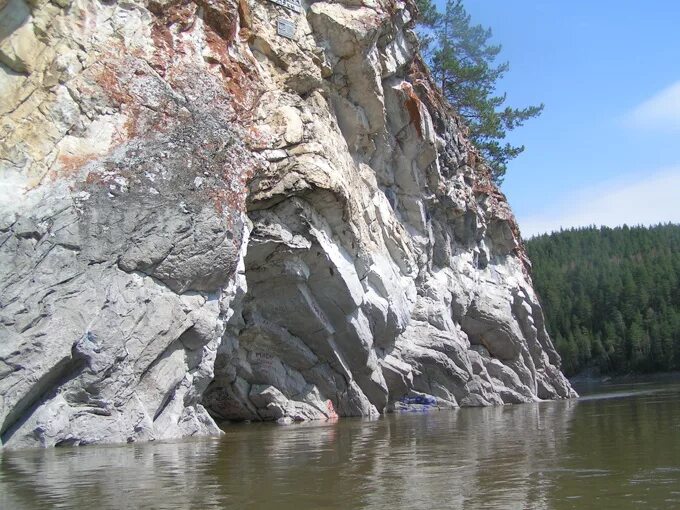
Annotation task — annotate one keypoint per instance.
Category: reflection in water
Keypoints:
(607, 452)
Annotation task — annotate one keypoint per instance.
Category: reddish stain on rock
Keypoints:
(69, 165)
(330, 410)
(239, 80)
(413, 107)
(221, 16)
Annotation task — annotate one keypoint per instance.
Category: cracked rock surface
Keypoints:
(201, 220)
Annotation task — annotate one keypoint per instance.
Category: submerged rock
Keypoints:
(203, 220)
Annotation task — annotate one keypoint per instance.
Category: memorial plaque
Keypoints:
(285, 28)
(293, 5)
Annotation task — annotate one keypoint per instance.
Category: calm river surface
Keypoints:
(617, 448)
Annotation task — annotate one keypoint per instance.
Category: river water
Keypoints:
(617, 448)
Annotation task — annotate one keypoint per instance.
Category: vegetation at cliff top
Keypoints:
(611, 297)
(463, 62)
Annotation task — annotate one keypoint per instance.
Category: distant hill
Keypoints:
(611, 296)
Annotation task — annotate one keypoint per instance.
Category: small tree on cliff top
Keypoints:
(463, 62)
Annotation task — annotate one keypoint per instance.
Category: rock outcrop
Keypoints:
(201, 220)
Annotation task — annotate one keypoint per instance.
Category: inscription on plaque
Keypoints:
(285, 28)
(293, 5)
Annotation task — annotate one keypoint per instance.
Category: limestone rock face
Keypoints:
(203, 220)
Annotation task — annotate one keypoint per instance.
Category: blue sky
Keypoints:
(607, 148)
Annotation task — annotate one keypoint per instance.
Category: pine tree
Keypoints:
(463, 61)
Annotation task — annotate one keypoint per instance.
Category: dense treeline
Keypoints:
(611, 296)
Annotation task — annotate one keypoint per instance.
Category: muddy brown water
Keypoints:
(617, 447)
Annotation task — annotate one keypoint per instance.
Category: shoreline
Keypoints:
(585, 378)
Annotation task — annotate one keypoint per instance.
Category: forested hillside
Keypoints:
(611, 296)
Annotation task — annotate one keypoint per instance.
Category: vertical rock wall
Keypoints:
(201, 219)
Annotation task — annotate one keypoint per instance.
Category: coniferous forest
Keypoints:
(611, 296)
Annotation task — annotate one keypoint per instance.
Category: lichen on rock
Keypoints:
(202, 220)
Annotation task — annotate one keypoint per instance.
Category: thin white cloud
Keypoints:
(659, 112)
(644, 199)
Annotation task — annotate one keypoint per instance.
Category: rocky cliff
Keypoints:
(244, 210)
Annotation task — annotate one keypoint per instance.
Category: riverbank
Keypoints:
(588, 378)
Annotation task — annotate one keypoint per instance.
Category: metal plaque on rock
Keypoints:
(293, 5)
(285, 28)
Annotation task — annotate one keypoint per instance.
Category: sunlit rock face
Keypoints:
(201, 220)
